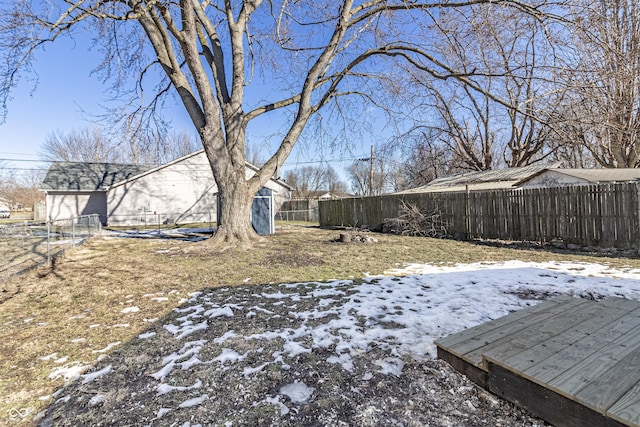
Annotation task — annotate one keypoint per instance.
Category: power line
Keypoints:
(7, 153)
(27, 160)
(21, 169)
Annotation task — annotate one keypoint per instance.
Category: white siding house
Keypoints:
(181, 191)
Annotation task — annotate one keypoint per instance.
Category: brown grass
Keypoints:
(75, 309)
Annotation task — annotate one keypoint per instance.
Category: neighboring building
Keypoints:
(532, 176)
(180, 191)
(502, 179)
(557, 177)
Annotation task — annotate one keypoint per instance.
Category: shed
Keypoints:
(557, 177)
(181, 191)
(500, 179)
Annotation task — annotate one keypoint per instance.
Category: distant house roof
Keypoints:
(84, 176)
(594, 175)
(482, 180)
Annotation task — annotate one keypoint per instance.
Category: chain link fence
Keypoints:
(30, 244)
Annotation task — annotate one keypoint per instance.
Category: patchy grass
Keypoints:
(21, 253)
(77, 311)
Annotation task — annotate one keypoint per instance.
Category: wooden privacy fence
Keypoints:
(605, 215)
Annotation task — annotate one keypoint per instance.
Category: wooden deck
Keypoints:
(570, 361)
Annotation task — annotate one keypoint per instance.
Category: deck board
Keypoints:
(603, 391)
(611, 319)
(606, 322)
(597, 364)
(477, 331)
(494, 332)
(536, 333)
(548, 369)
(575, 361)
(627, 409)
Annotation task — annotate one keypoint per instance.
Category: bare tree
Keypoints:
(426, 157)
(502, 117)
(602, 112)
(208, 53)
(163, 148)
(21, 188)
(307, 181)
(81, 145)
(97, 145)
(253, 155)
(334, 183)
(372, 180)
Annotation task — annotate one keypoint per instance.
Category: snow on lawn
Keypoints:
(403, 313)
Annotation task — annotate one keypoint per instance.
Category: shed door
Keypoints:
(262, 212)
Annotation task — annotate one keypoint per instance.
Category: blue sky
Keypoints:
(66, 95)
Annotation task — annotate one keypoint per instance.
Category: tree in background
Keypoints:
(335, 184)
(163, 148)
(601, 114)
(381, 177)
(207, 53)
(95, 145)
(22, 190)
(307, 181)
(426, 158)
(497, 113)
(88, 144)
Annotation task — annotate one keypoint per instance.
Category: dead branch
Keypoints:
(413, 220)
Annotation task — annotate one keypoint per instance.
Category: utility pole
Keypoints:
(371, 173)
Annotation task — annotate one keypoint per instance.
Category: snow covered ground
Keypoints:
(400, 315)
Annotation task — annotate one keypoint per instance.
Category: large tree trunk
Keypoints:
(235, 227)
(235, 191)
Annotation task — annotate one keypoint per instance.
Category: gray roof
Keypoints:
(84, 176)
(603, 175)
(482, 180)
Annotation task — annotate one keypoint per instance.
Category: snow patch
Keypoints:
(95, 375)
(187, 328)
(107, 348)
(391, 365)
(193, 401)
(250, 371)
(298, 392)
(96, 400)
(146, 335)
(68, 372)
(276, 401)
(166, 388)
(162, 412)
(220, 311)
